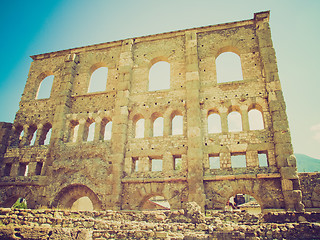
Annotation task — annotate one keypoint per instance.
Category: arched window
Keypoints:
(139, 128)
(91, 129)
(255, 120)
(214, 123)
(228, 67)
(32, 135)
(98, 80)
(234, 122)
(74, 129)
(177, 124)
(45, 86)
(45, 134)
(108, 131)
(158, 127)
(159, 76)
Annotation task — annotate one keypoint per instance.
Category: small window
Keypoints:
(177, 162)
(91, 130)
(159, 76)
(214, 123)
(158, 127)
(228, 66)
(177, 125)
(98, 80)
(156, 165)
(45, 86)
(263, 159)
(23, 169)
(139, 129)
(33, 137)
(234, 122)
(108, 131)
(255, 119)
(214, 162)
(7, 169)
(238, 160)
(38, 168)
(135, 164)
(48, 137)
(45, 135)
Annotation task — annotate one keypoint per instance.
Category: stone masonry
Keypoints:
(104, 170)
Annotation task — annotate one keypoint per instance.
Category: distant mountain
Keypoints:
(307, 164)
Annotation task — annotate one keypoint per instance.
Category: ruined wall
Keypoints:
(105, 168)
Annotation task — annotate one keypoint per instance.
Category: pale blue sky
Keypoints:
(33, 27)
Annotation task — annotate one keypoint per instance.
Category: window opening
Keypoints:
(177, 125)
(38, 168)
(82, 204)
(159, 76)
(108, 131)
(139, 129)
(158, 127)
(214, 162)
(228, 66)
(91, 129)
(75, 131)
(33, 137)
(214, 123)
(244, 202)
(238, 160)
(156, 165)
(255, 119)
(263, 159)
(23, 169)
(45, 86)
(7, 169)
(98, 80)
(234, 122)
(48, 137)
(135, 164)
(177, 163)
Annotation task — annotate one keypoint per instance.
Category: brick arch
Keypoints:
(158, 59)
(12, 194)
(268, 196)
(228, 48)
(68, 195)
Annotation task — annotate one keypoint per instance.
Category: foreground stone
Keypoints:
(64, 224)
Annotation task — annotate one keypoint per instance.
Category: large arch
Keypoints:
(68, 195)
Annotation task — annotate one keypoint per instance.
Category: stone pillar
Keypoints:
(97, 129)
(82, 125)
(224, 121)
(148, 128)
(120, 121)
(194, 134)
(167, 125)
(25, 136)
(277, 108)
(245, 119)
(38, 134)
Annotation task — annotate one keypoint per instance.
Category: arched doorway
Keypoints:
(78, 197)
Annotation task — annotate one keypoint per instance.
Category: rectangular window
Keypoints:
(156, 165)
(135, 164)
(214, 162)
(7, 169)
(238, 160)
(39, 168)
(177, 162)
(23, 169)
(263, 159)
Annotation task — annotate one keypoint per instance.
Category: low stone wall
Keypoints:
(181, 224)
(310, 188)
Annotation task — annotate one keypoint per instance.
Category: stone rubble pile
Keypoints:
(187, 223)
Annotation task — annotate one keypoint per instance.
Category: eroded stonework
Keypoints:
(103, 169)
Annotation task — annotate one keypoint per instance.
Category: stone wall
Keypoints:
(58, 224)
(104, 168)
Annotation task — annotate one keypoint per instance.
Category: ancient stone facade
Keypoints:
(117, 172)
